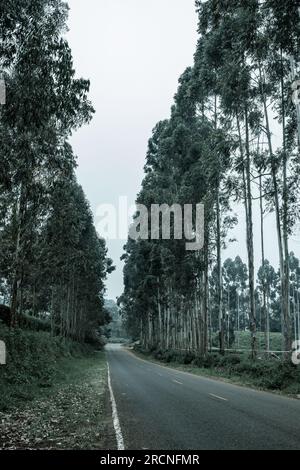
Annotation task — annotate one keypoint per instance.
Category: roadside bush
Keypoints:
(270, 374)
(280, 376)
(188, 358)
(209, 361)
(158, 354)
(180, 357)
(212, 360)
(198, 361)
(170, 356)
(34, 323)
(95, 340)
(32, 361)
(229, 361)
(232, 359)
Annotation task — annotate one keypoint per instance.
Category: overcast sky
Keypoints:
(133, 51)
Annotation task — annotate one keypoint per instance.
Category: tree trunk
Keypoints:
(252, 316)
(283, 270)
(286, 288)
(17, 271)
(265, 309)
(220, 281)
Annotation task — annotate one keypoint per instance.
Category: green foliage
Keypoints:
(115, 330)
(218, 148)
(32, 362)
(29, 322)
(168, 356)
(268, 374)
(52, 263)
(243, 341)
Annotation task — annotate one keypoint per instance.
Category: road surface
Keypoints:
(163, 409)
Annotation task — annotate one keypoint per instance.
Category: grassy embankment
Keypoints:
(53, 394)
(266, 373)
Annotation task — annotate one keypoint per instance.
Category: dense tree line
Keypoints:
(219, 148)
(52, 263)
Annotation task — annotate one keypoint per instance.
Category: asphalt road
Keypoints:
(163, 409)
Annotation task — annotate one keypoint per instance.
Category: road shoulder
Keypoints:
(74, 414)
(210, 374)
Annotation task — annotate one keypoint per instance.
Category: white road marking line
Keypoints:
(177, 382)
(219, 398)
(115, 417)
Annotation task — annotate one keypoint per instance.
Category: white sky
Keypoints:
(133, 51)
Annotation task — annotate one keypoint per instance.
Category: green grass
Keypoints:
(53, 394)
(33, 363)
(71, 414)
(244, 341)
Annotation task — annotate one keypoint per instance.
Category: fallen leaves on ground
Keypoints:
(73, 415)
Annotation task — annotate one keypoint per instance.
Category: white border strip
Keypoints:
(115, 417)
(217, 396)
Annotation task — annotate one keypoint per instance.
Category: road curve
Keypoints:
(161, 408)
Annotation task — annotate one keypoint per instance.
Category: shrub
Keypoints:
(230, 360)
(198, 361)
(32, 361)
(34, 323)
(169, 356)
(188, 358)
(158, 354)
(211, 360)
(270, 373)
